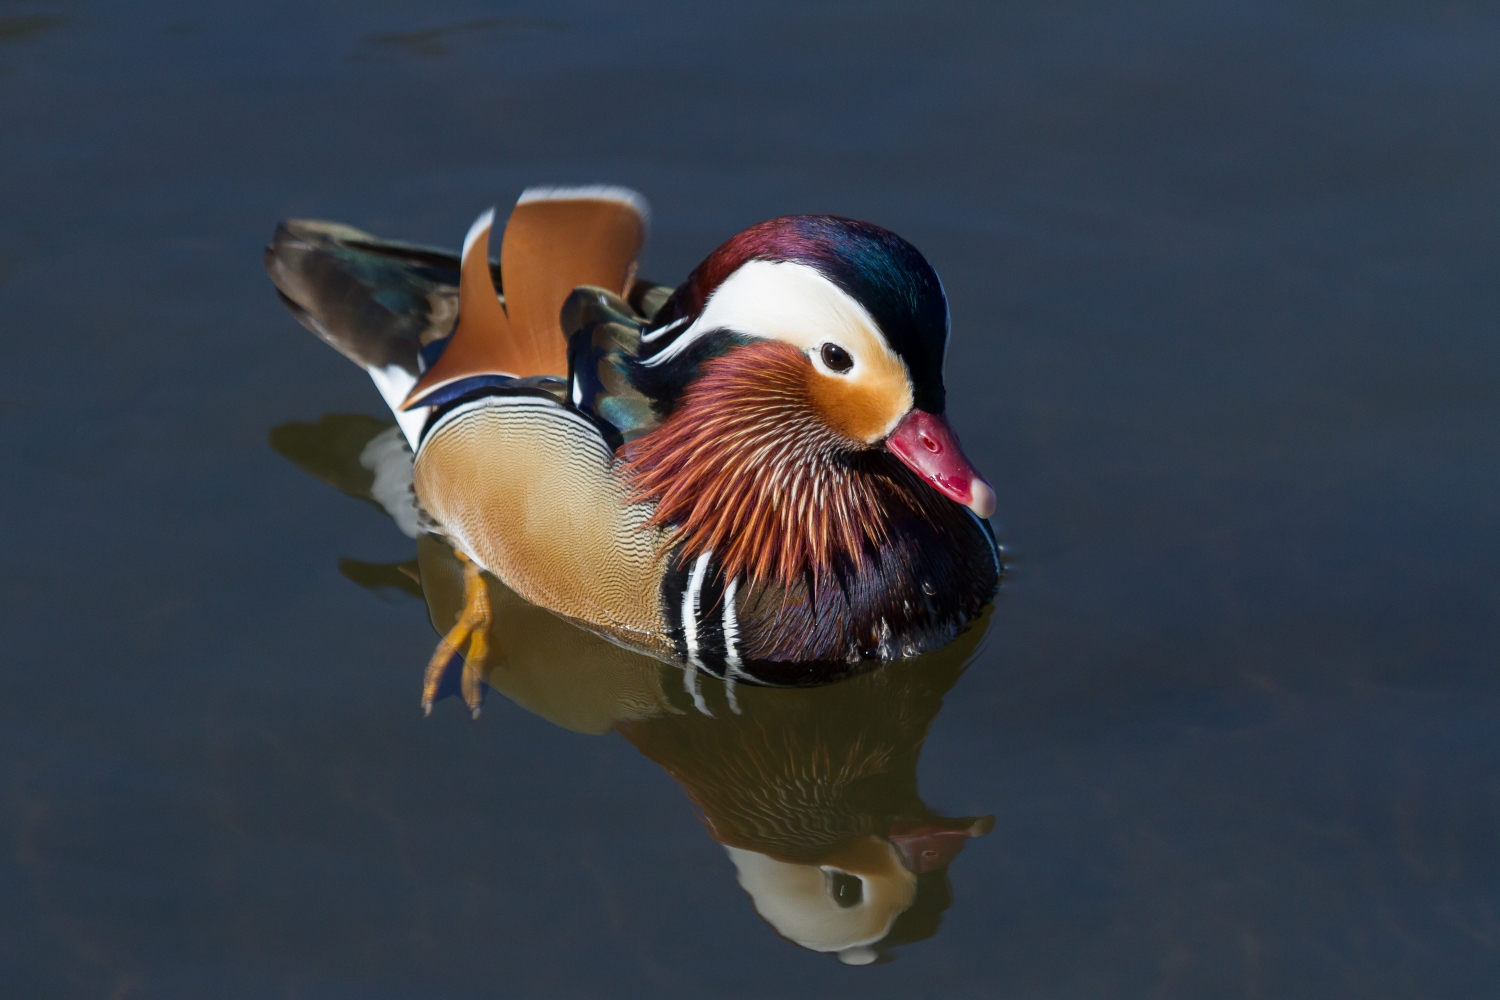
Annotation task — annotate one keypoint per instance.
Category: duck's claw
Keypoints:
(436, 668)
(472, 684)
(471, 631)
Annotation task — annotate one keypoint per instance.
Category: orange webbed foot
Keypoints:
(471, 631)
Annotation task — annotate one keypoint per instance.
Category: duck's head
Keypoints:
(844, 905)
(849, 901)
(805, 344)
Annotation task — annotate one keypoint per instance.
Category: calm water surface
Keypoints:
(1225, 289)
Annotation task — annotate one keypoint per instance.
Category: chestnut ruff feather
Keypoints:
(746, 468)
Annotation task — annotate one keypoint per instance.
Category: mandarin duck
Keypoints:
(750, 475)
(811, 792)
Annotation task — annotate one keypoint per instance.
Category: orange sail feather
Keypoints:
(556, 239)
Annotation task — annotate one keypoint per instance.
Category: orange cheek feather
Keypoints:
(865, 407)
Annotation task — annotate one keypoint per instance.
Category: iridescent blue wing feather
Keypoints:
(604, 335)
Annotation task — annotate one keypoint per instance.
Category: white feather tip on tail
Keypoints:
(481, 225)
(591, 192)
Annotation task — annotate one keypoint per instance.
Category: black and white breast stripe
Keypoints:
(700, 607)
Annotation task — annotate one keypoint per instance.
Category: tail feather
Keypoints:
(377, 303)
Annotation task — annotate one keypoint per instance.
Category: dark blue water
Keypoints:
(1225, 282)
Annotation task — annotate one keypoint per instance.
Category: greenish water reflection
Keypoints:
(812, 792)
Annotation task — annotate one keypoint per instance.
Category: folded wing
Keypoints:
(556, 239)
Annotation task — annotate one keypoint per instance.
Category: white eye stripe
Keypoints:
(777, 300)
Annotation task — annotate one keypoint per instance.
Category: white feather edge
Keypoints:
(590, 192)
(395, 383)
(690, 607)
(690, 633)
(733, 663)
(552, 408)
(661, 331)
(485, 221)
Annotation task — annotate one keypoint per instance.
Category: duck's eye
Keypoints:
(836, 358)
(847, 890)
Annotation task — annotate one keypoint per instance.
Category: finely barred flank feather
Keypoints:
(745, 467)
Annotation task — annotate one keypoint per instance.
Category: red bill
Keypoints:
(926, 443)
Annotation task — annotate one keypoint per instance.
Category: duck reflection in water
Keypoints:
(811, 791)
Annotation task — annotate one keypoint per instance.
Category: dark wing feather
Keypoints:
(604, 335)
(376, 302)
